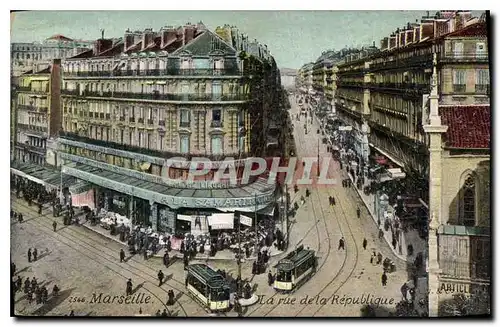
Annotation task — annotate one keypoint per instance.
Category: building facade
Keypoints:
(421, 105)
(37, 115)
(135, 111)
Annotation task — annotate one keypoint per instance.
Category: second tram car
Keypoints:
(208, 287)
(295, 269)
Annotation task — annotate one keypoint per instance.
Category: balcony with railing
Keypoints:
(482, 89)
(185, 124)
(422, 61)
(32, 128)
(401, 87)
(350, 83)
(462, 56)
(465, 270)
(163, 97)
(157, 72)
(149, 152)
(216, 124)
(30, 148)
(459, 88)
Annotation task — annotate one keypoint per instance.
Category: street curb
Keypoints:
(177, 253)
(248, 302)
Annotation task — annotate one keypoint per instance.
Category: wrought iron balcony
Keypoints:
(161, 122)
(33, 128)
(401, 87)
(459, 88)
(186, 124)
(24, 88)
(122, 118)
(482, 89)
(467, 270)
(158, 72)
(131, 120)
(216, 124)
(423, 61)
(26, 107)
(150, 122)
(164, 97)
(461, 56)
(140, 120)
(144, 151)
(30, 147)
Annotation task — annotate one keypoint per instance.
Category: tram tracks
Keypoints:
(76, 244)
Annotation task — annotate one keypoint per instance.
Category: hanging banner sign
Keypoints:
(83, 199)
(244, 220)
(221, 221)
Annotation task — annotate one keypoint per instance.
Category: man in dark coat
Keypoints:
(33, 283)
(365, 243)
(384, 279)
(122, 255)
(379, 258)
(29, 255)
(170, 297)
(35, 254)
(129, 287)
(270, 278)
(358, 212)
(341, 244)
(166, 259)
(54, 225)
(160, 277)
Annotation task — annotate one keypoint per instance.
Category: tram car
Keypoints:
(208, 287)
(295, 269)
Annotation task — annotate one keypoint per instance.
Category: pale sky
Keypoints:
(293, 37)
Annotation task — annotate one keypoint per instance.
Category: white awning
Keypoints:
(221, 221)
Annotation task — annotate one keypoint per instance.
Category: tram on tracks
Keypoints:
(208, 287)
(295, 269)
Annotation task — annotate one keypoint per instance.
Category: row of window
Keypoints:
(482, 76)
(185, 63)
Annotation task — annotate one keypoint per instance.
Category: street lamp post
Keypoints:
(317, 167)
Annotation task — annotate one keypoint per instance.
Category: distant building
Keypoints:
(38, 56)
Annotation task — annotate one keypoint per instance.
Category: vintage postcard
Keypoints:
(250, 164)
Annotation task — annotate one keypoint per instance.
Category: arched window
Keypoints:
(469, 202)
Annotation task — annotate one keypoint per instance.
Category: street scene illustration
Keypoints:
(250, 164)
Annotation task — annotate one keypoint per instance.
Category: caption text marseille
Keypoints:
(295, 171)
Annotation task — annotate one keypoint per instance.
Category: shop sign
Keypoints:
(462, 288)
(244, 220)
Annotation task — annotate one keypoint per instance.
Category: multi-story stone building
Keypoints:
(37, 115)
(38, 56)
(306, 78)
(135, 110)
(422, 105)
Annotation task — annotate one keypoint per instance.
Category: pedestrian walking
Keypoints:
(330, 200)
(13, 269)
(55, 291)
(365, 243)
(166, 259)
(145, 254)
(122, 255)
(33, 283)
(54, 225)
(394, 243)
(30, 296)
(164, 313)
(72, 313)
(358, 212)
(379, 258)
(341, 244)
(27, 285)
(158, 313)
(404, 291)
(270, 278)
(29, 255)
(160, 277)
(170, 297)
(384, 279)
(19, 282)
(333, 200)
(129, 287)
(35, 254)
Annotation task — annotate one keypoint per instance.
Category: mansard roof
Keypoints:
(207, 43)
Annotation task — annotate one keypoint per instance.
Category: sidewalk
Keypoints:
(410, 237)
(220, 255)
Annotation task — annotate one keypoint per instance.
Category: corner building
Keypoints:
(131, 104)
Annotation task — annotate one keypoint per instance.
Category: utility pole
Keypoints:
(256, 227)
(238, 257)
(317, 167)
